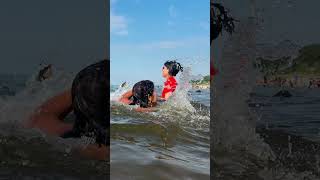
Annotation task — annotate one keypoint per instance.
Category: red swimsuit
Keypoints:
(213, 71)
(169, 86)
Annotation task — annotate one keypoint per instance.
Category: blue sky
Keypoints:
(146, 33)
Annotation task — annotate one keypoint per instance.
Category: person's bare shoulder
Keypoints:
(125, 98)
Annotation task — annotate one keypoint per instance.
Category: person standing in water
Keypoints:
(169, 71)
(88, 98)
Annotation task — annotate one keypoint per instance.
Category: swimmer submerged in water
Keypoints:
(142, 94)
(88, 98)
(169, 71)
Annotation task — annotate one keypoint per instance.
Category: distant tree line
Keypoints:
(204, 80)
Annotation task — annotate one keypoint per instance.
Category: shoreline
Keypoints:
(200, 86)
(290, 80)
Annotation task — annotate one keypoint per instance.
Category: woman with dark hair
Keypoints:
(169, 70)
(88, 98)
(142, 94)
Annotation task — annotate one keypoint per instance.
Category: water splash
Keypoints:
(237, 149)
(233, 125)
(115, 95)
(15, 110)
(180, 99)
(177, 109)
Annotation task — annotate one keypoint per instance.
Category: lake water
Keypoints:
(172, 143)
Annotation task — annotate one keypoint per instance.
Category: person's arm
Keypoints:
(59, 105)
(49, 116)
(125, 98)
(161, 98)
(49, 119)
(167, 95)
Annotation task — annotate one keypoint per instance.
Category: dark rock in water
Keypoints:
(123, 84)
(45, 73)
(283, 93)
(198, 91)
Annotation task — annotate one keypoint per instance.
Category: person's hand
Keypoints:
(161, 99)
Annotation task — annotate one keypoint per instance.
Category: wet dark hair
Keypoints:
(90, 101)
(141, 92)
(173, 67)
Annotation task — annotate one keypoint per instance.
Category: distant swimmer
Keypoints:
(45, 73)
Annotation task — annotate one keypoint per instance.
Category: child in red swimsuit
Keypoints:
(169, 71)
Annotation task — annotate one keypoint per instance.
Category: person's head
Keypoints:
(171, 68)
(90, 101)
(142, 93)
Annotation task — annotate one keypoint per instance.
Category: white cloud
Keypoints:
(118, 24)
(172, 11)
